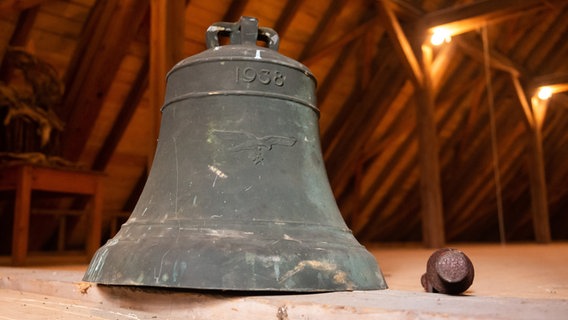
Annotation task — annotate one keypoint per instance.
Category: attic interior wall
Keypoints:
(367, 104)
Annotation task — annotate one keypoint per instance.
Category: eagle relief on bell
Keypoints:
(237, 197)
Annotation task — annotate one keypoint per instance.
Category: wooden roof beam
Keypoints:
(558, 82)
(419, 69)
(123, 119)
(11, 7)
(19, 36)
(499, 61)
(405, 10)
(324, 88)
(325, 21)
(352, 129)
(23, 27)
(339, 43)
(401, 43)
(95, 65)
(235, 10)
(474, 15)
(286, 16)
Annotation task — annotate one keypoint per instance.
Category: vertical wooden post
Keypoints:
(22, 215)
(540, 217)
(433, 233)
(166, 49)
(535, 113)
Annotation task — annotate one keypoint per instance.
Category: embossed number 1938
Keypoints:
(263, 76)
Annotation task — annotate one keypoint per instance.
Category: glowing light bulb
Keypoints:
(544, 93)
(440, 35)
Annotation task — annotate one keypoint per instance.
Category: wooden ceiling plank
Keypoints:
(358, 128)
(466, 170)
(26, 20)
(19, 36)
(386, 175)
(468, 216)
(324, 23)
(339, 43)
(474, 175)
(286, 16)
(405, 9)
(497, 60)
(558, 82)
(11, 7)
(123, 119)
(91, 36)
(483, 184)
(474, 15)
(501, 62)
(96, 73)
(399, 121)
(389, 211)
(464, 135)
(369, 42)
(539, 59)
(235, 10)
(401, 43)
(331, 77)
(385, 180)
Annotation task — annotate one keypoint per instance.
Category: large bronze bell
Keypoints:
(238, 197)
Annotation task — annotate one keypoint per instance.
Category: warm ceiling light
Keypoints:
(440, 35)
(544, 93)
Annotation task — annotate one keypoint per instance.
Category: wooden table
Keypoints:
(24, 178)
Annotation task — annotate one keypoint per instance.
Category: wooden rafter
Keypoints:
(26, 20)
(430, 188)
(91, 80)
(235, 10)
(558, 82)
(401, 43)
(11, 7)
(286, 16)
(341, 42)
(20, 34)
(327, 83)
(499, 61)
(371, 105)
(123, 119)
(420, 72)
(405, 9)
(375, 194)
(472, 16)
(325, 21)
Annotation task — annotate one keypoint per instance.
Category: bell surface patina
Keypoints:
(238, 197)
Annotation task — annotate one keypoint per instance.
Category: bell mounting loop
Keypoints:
(245, 31)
